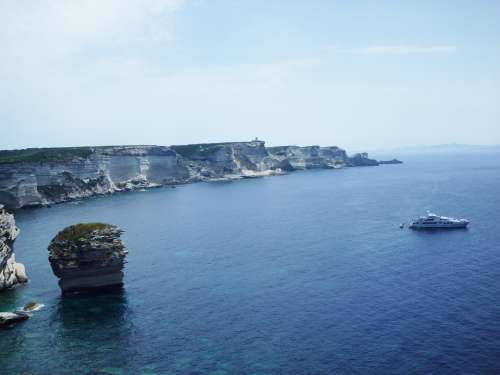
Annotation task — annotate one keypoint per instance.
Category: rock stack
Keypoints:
(88, 257)
(11, 273)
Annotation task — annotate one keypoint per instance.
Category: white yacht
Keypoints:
(434, 221)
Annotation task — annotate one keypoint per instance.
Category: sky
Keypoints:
(356, 74)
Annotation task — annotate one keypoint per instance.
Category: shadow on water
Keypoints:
(93, 330)
(84, 334)
(92, 308)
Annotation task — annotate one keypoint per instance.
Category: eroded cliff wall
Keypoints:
(35, 177)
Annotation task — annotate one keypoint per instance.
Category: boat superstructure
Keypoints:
(435, 221)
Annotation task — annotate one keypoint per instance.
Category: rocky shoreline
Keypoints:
(11, 272)
(41, 177)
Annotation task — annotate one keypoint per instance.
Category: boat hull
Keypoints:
(439, 226)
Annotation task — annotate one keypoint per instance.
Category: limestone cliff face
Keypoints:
(11, 273)
(44, 176)
(310, 157)
(105, 170)
(218, 160)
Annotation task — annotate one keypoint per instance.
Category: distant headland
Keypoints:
(44, 176)
(392, 161)
(439, 148)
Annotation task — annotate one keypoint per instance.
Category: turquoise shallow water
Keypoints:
(307, 273)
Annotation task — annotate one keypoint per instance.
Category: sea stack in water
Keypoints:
(88, 257)
(11, 273)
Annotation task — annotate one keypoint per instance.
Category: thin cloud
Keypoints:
(59, 28)
(388, 50)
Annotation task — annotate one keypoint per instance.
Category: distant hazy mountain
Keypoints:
(451, 147)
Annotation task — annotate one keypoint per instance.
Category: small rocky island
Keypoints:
(88, 257)
(392, 161)
(11, 272)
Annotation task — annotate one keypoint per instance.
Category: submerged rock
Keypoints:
(88, 257)
(30, 307)
(11, 273)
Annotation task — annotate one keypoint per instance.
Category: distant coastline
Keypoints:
(439, 148)
(45, 176)
(392, 161)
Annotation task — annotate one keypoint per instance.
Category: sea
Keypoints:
(307, 273)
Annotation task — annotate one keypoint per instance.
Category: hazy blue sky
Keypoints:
(358, 74)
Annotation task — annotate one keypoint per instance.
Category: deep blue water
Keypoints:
(307, 273)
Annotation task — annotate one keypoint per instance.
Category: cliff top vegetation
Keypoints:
(200, 149)
(73, 232)
(43, 155)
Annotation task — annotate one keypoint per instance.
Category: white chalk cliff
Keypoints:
(11, 272)
(36, 177)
